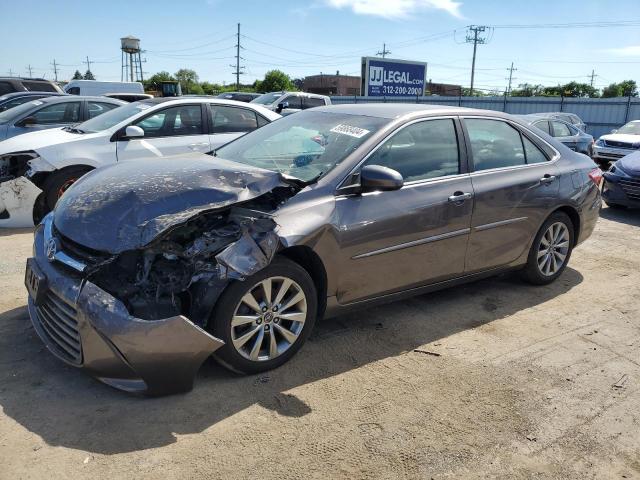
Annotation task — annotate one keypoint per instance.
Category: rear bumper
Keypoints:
(621, 190)
(88, 328)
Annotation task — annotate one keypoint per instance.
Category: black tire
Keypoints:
(532, 272)
(58, 182)
(220, 321)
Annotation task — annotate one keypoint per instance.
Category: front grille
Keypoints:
(59, 322)
(79, 252)
(631, 188)
(610, 155)
(614, 144)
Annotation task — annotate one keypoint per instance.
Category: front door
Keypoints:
(515, 183)
(170, 131)
(391, 241)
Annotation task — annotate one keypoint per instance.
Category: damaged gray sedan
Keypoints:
(144, 269)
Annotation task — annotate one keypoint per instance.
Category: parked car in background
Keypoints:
(568, 134)
(129, 97)
(239, 96)
(96, 87)
(571, 118)
(21, 84)
(619, 143)
(621, 184)
(158, 264)
(49, 162)
(10, 100)
(286, 103)
(52, 112)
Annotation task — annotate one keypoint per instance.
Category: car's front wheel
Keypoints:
(265, 319)
(550, 251)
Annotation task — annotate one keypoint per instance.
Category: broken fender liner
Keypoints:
(17, 199)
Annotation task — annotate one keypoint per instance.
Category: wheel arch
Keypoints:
(574, 216)
(311, 262)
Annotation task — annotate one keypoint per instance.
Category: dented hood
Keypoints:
(126, 206)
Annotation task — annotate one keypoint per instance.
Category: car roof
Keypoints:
(8, 96)
(66, 98)
(397, 110)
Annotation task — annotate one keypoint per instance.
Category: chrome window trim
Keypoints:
(391, 134)
(519, 128)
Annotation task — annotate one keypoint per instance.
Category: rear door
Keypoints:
(168, 131)
(391, 241)
(564, 133)
(96, 107)
(515, 183)
(227, 123)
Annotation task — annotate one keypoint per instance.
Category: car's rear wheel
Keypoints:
(550, 251)
(59, 182)
(265, 319)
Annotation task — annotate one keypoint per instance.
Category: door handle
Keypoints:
(547, 178)
(460, 197)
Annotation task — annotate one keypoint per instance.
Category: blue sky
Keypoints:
(304, 38)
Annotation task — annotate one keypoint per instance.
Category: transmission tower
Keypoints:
(238, 69)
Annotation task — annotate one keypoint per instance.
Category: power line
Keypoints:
(472, 37)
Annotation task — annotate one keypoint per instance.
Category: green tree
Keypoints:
(77, 75)
(274, 81)
(572, 89)
(88, 75)
(196, 89)
(625, 88)
(210, 88)
(527, 90)
(187, 79)
(153, 82)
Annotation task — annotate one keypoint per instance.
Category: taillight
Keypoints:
(596, 176)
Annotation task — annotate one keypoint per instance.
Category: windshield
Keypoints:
(113, 117)
(631, 128)
(305, 145)
(17, 112)
(267, 98)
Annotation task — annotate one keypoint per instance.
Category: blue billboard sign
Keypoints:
(393, 78)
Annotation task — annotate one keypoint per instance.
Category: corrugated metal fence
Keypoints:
(600, 114)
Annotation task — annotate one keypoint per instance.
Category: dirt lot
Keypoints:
(520, 382)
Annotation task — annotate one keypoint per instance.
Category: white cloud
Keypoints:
(629, 51)
(396, 8)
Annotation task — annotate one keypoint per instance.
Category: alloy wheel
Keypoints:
(268, 319)
(553, 249)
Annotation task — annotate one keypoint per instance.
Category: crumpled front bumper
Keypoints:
(17, 200)
(618, 190)
(90, 329)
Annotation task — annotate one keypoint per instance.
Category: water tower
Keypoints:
(131, 69)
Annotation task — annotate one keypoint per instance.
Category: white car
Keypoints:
(36, 168)
(617, 144)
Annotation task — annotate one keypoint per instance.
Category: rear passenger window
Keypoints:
(261, 121)
(233, 119)
(294, 101)
(98, 108)
(310, 102)
(543, 125)
(494, 144)
(421, 151)
(560, 129)
(532, 152)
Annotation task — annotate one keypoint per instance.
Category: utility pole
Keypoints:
(237, 66)
(89, 64)
(30, 71)
(511, 70)
(472, 37)
(384, 51)
(55, 69)
(10, 73)
(593, 75)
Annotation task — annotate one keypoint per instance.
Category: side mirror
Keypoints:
(133, 132)
(282, 106)
(27, 122)
(379, 178)
(615, 130)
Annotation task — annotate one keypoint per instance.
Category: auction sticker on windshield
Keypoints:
(349, 130)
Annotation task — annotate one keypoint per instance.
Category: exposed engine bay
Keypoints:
(184, 271)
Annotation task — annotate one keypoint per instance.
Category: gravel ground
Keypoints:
(496, 379)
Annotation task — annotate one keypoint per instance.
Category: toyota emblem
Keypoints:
(52, 248)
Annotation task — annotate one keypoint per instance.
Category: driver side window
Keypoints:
(423, 150)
